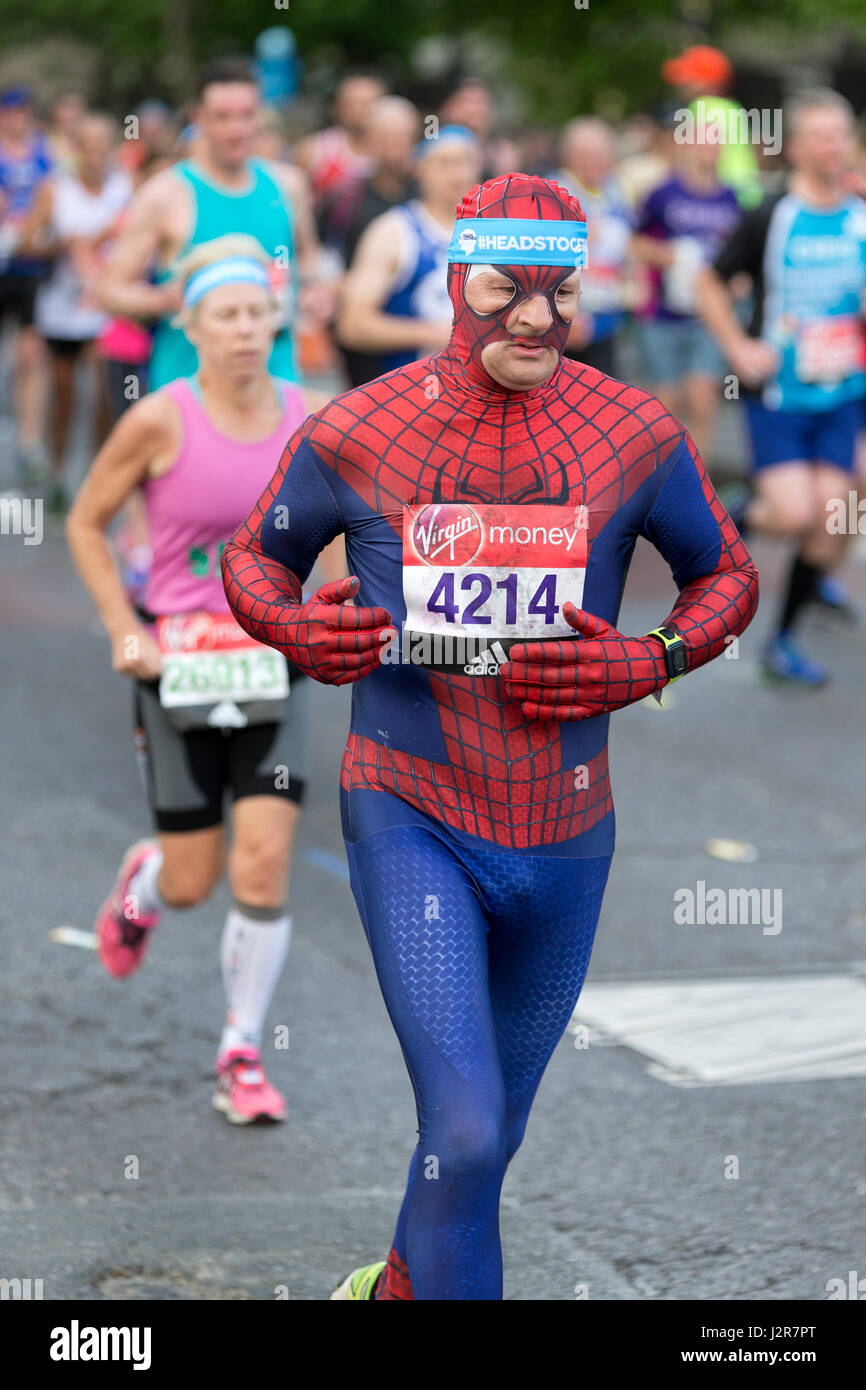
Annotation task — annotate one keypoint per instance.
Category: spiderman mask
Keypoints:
(528, 230)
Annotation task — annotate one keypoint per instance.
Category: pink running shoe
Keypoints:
(122, 936)
(243, 1092)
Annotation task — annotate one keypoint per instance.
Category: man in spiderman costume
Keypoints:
(491, 493)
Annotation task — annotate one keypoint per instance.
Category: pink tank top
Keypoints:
(194, 508)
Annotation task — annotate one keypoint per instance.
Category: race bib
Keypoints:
(211, 667)
(829, 349)
(678, 281)
(478, 578)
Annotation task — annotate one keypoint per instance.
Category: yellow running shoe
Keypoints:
(361, 1283)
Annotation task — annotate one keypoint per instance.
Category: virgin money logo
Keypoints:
(447, 534)
(184, 634)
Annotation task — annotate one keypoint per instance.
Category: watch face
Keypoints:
(678, 659)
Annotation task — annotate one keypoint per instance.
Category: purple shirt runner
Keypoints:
(675, 210)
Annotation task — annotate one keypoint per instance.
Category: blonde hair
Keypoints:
(221, 248)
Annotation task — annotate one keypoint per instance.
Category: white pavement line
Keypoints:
(737, 1032)
(71, 936)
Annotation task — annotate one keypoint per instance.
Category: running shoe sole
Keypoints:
(789, 682)
(223, 1104)
(133, 850)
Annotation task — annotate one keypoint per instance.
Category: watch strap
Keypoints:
(670, 638)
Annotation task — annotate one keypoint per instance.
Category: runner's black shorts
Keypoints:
(67, 347)
(188, 776)
(18, 297)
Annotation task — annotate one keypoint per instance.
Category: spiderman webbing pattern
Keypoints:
(459, 747)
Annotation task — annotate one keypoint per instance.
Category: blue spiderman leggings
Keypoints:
(481, 954)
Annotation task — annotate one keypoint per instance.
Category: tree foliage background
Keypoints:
(554, 54)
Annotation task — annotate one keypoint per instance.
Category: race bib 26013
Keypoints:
(207, 657)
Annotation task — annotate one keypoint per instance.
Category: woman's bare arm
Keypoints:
(147, 432)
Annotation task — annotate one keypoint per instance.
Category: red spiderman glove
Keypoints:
(603, 670)
(331, 643)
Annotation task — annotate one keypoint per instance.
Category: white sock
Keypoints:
(254, 947)
(142, 886)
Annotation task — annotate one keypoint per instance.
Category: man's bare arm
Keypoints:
(751, 358)
(296, 186)
(317, 296)
(124, 289)
(651, 251)
(361, 324)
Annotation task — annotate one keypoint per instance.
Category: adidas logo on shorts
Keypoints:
(488, 662)
(226, 715)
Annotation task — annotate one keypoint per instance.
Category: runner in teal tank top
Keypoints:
(262, 212)
(224, 190)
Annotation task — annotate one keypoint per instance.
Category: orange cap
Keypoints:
(697, 66)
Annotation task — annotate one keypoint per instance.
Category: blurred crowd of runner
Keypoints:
(98, 213)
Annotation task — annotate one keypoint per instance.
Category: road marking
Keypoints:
(71, 936)
(733, 851)
(736, 1032)
(331, 863)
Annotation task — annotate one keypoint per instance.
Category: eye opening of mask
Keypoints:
(487, 296)
(571, 288)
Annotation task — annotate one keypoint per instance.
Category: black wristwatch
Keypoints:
(676, 659)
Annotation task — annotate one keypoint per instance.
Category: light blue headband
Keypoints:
(447, 135)
(517, 241)
(236, 270)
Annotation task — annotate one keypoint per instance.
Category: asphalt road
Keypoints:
(620, 1184)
